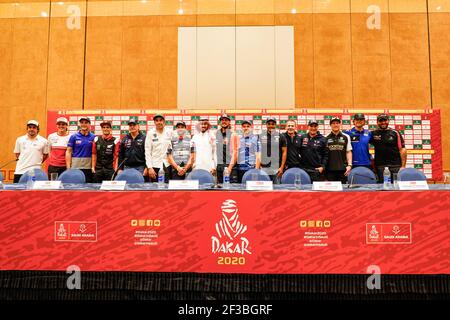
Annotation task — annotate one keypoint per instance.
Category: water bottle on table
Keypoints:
(386, 179)
(161, 178)
(31, 179)
(226, 178)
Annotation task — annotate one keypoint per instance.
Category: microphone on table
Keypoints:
(33, 166)
(7, 163)
(118, 168)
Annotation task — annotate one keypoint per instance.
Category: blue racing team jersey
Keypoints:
(360, 144)
(81, 145)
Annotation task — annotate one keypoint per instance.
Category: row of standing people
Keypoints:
(101, 157)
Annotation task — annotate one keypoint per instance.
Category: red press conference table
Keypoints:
(222, 243)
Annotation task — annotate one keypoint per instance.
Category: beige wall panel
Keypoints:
(255, 6)
(408, 6)
(333, 82)
(304, 60)
(407, 91)
(103, 75)
(216, 7)
(140, 91)
(409, 60)
(371, 81)
(178, 21)
(140, 62)
(167, 86)
(293, 6)
(6, 34)
(255, 19)
(6, 39)
(362, 6)
(29, 63)
(216, 20)
(332, 60)
(65, 65)
(440, 57)
(168, 83)
(370, 62)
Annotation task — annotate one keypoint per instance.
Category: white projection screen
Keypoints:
(236, 67)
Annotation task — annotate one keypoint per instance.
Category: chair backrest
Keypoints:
(72, 176)
(203, 176)
(361, 175)
(255, 175)
(290, 174)
(130, 176)
(38, 173)
(411, 174)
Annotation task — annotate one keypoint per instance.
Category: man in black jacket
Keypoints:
(314, 152)
(132, 149)
(105, 149)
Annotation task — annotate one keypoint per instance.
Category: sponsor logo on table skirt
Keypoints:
(76, 231)
(388, 233)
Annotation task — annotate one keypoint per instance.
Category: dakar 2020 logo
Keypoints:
(230, 237)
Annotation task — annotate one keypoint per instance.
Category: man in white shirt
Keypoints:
(31, 150)
(156, 144)
(205, 148)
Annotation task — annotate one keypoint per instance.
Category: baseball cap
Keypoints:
(247, 121)
(62, 119)
(132, 120)
(224, 116)
(84, 118)
(382, 116)
(273, 119)
(180, 123)
(312, 122)
(106, 122)
(335, 119)
(158, 115)
(33, 122)
(359, 116)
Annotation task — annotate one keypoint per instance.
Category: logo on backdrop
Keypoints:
(230, 237)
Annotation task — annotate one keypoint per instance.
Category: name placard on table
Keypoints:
(259, 185)
(183, 184)
(327, 186)
(113, 185)
(413, 185)
(47, 185)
